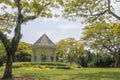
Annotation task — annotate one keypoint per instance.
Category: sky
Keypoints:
(55, 28)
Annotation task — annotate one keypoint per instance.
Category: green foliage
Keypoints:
(91, 10)
(23, 52)
(104, 40)
(23, 57)
(103, 61)
(2, 54)
(27, 9)
(2, 60)
(43, 65)
(86, 59)
(24, 48)
(69, 50)
(2, 49)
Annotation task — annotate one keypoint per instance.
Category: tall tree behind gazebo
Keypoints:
(43, 47)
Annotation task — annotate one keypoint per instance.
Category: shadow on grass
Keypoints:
(38, 76)
(96, 76)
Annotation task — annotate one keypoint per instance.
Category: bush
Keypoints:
(42, 65)
(63, 67)
(23, 57)
(18, 65)
(91, 64)
(2, 60)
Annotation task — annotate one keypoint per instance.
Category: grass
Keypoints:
(67, 74)
(72, 74)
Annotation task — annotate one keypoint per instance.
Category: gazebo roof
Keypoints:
(44, 41)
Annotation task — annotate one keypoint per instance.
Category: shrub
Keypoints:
(42, 65)
(63, 67)
(23, 57)
(18, 65)
(2, 60)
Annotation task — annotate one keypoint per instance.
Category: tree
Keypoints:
(92, 10)
(104, 38)
(14, 14)
(23, 53)
(24, 47)
(87, 59)
(2, 49)
(70, 50)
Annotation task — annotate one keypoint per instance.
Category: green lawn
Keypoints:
(72, 74)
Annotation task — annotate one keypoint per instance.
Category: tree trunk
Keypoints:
(8, 70)
(117, 59)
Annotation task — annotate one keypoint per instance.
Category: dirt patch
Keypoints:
(22, 78)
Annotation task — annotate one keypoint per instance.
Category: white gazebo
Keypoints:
(43, 50)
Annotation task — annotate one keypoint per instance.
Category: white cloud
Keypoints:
(44, 32)
(69, 26)
(56, 39)
(116, 6)
(51, 19)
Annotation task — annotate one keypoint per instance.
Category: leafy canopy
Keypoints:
(70, 49)
(30, 9)
(91, 10)
(103, 37)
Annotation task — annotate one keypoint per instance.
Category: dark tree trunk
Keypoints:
(117, 59)
(116, 63)
(8, 70)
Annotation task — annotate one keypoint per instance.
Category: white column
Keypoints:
(48, 56)
(54, 59)
(40, 57)
(33, 57)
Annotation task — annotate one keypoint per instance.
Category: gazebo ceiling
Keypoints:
(44, 41)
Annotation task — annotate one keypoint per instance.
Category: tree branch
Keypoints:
(46, 4)
(17, 31)
(91, 14)
(4, 40)
(109, 2)
(29, 18)
(107, 10)
(101, 13)
(25, 19)
(4, 19)
(112, 13)
(107, 48)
